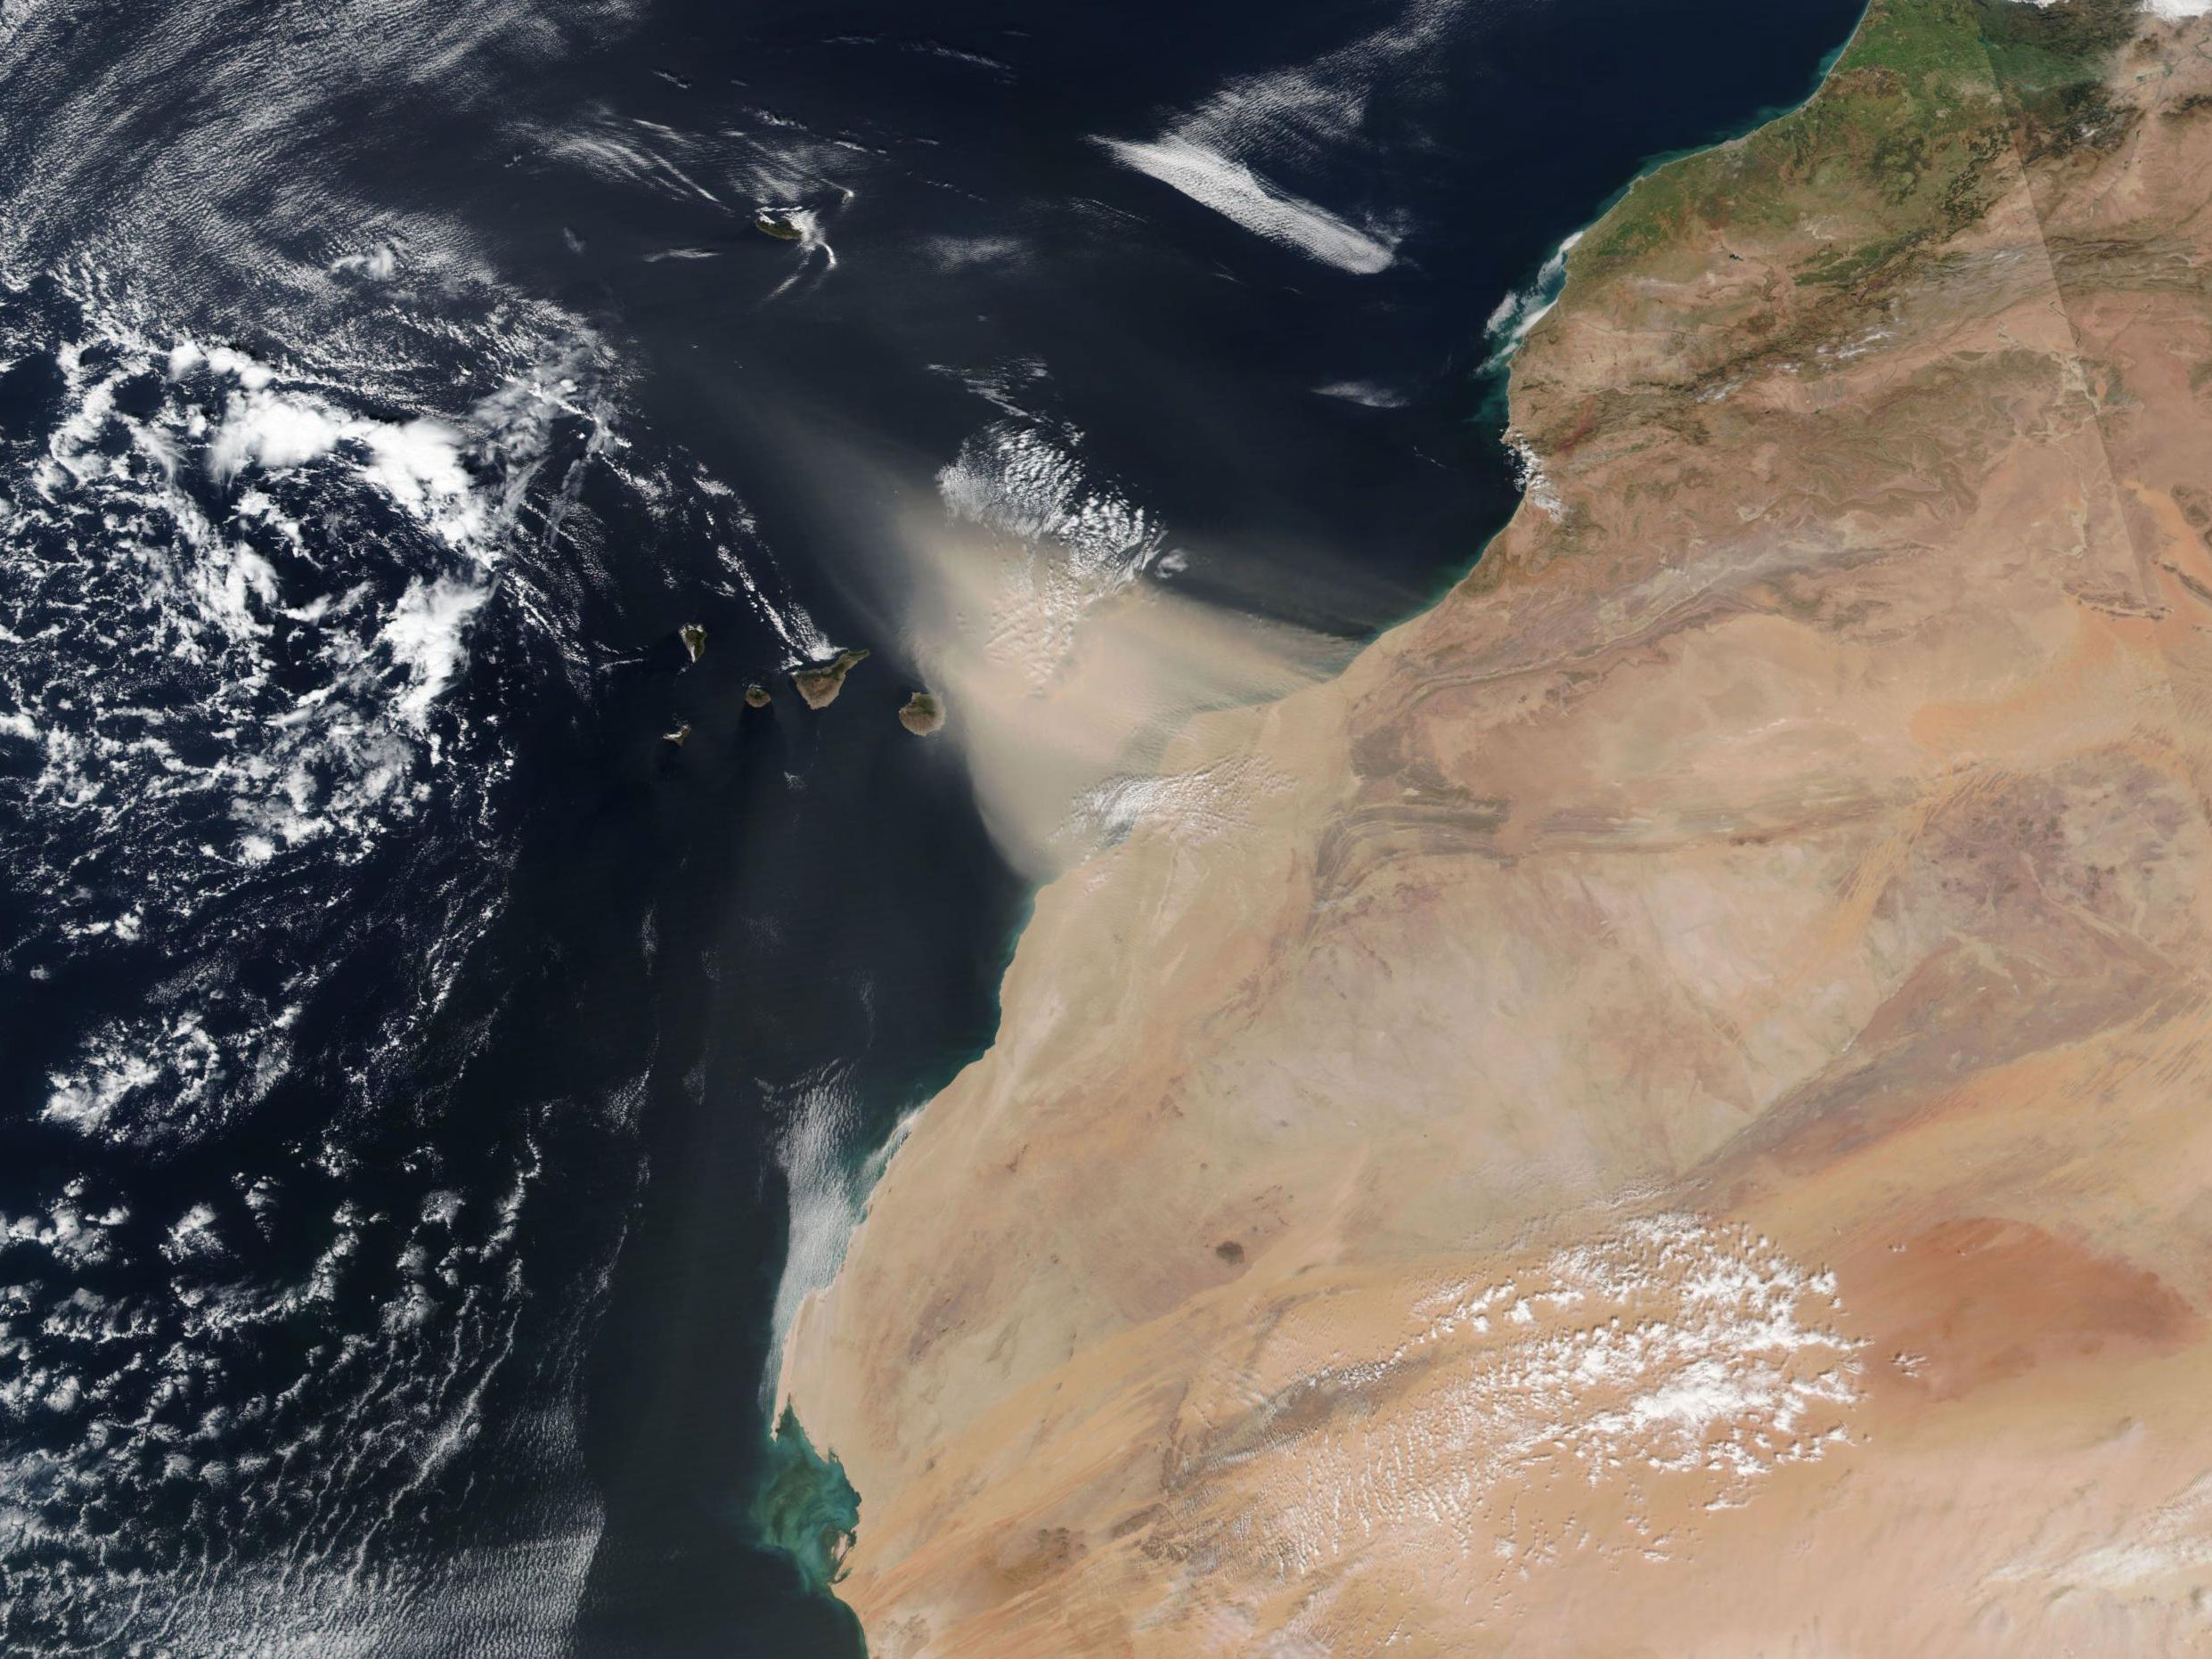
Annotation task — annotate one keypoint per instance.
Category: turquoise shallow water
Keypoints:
(805, 1508)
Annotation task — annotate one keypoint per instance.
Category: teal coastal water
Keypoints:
(806, 1507)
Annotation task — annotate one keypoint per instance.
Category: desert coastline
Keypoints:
(1675, 1065)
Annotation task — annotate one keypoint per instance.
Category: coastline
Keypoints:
(1520, 311)
(1495, 369)
(1019, 1384)
(1494, 372)
(820, 1544)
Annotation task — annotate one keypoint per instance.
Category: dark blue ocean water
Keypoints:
(410, 1053)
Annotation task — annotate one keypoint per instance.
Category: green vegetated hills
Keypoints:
(1928, 111)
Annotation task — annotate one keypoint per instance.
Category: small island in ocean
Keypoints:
(756, 695)
(922, 714)
(820, 682)
(694, 637)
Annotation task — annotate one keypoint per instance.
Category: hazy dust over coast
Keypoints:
(1064, 683)
(1669, 1119)
(432, 1087)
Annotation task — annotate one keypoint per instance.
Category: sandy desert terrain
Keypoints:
(1664, 1110)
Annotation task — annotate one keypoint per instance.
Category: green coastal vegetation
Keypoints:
(1927, 113)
